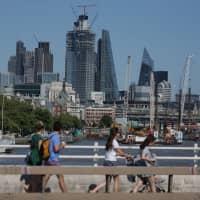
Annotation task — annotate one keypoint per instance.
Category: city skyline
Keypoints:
(169, 30)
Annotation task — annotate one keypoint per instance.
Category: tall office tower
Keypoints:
(43, 59)
(12, 64)
(160, 76)
(20, 55)
(80, 58)
(29, 67)
(146, 69)
(97, 85)
(106, 80)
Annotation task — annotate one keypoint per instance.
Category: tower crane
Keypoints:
(126, 85)
(85, 6)
(152, 100)
(184, 88)
(127, 80)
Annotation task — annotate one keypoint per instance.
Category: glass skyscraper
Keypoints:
(80, 60)
(160, 76)
(106, 80)
(146, 69)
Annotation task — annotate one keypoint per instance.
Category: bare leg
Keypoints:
(116, 183)
(45, 181)
(138, 184)
(98, 187)
(61, 183)
(152, 183)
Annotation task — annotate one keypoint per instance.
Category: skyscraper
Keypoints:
(106, 80)
(43, 59)
(160, 76)
(146, 69)
(12, 64)
(29, 67)
(20, 56)
(80, 58)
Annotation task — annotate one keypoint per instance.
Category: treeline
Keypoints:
(20, 117)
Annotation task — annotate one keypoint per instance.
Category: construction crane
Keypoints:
(86, 6)
(184, 88)
(152, 101)
(126, 85)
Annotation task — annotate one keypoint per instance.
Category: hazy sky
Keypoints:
(169, 29)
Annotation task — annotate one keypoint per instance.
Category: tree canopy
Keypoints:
(20, 117)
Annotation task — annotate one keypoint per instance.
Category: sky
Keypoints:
(169, 29)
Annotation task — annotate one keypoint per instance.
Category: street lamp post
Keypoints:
(2, 107)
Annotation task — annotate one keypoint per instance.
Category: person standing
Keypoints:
(55, 147)
(112, 150)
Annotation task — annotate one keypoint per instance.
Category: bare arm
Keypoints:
(122, 154)
(57, 148)
(39, 144)
(144, 157)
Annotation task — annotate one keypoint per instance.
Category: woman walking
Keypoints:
(113, 150)
(146, 159)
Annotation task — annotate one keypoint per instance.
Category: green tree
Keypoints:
(45, 116)
(68, 121)
(18, 116)
(105, 121)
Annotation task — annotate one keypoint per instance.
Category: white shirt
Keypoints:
(111, 154)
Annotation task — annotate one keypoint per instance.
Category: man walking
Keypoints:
(54, 148)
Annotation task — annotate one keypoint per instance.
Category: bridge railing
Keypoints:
(96, 147)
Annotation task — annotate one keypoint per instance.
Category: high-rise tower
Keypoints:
(146, 69)
(20, 56)
(43, 59)
(106, 80)
(80, 58)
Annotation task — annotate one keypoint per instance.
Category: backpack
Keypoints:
(44, 148)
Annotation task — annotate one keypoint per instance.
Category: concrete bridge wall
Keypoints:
(79, 183)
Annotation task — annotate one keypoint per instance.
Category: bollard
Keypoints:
(195, 155)
(95, 159)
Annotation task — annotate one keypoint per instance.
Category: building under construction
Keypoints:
(80, 61)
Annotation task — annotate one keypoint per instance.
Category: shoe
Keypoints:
(47, 189)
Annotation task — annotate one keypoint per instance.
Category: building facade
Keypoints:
(12, 64)
(106, 80)
(63, 99)
(160, 76)
(20, 57)
(29, 67)
(80, 61)
(47, 77)
(94, 114)
(146, 69)
(43, 59)
(164, 91)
